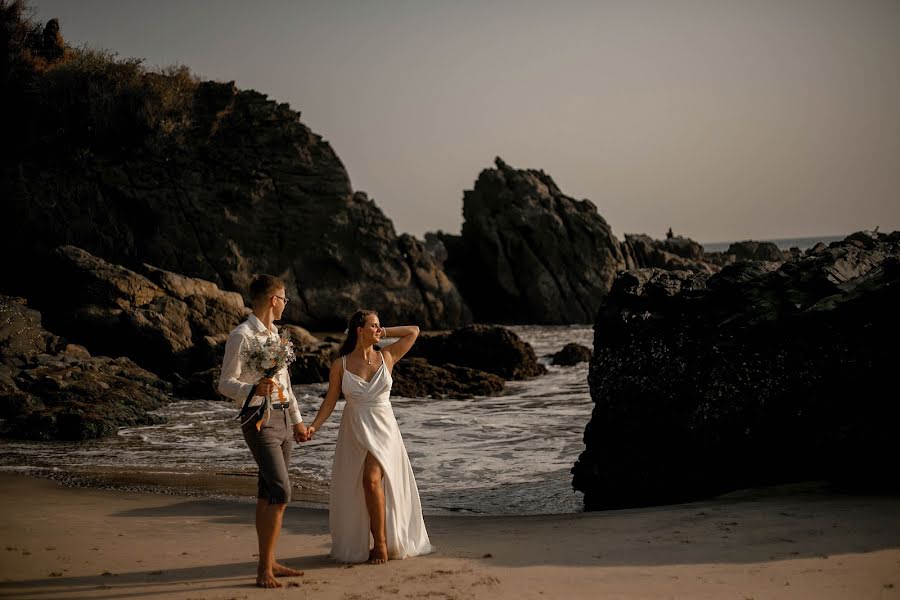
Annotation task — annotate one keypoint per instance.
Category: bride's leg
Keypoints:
(374, 490)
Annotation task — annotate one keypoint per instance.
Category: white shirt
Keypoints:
(236, 383)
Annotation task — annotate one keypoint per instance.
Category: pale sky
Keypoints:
(724, 119)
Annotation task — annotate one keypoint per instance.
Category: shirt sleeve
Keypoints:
(294, 408)
(229, 384)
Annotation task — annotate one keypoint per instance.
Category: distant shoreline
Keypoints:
(783, 243)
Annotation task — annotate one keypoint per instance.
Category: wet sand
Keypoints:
(790, 542)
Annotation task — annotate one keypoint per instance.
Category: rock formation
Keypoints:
(571, 354)
(51, 389)
(198, 178)
(163, 321)
(416, 378)
(766, 372)
(528, 253)
(492, 349)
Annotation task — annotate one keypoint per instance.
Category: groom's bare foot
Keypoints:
(379, 554)
(265, 578)
(280, 570)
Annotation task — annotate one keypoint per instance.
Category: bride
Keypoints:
(374, 512)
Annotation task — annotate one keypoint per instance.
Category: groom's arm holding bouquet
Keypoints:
(230, 384)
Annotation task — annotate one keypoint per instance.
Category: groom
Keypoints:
(272, 444)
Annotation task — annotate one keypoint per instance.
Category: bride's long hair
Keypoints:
(357, 320)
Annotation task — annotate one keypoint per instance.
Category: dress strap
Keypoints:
(344, 362)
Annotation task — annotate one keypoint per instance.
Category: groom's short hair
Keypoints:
(263, 286)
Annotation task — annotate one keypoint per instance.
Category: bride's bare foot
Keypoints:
(280, 570)
(266, 579)
(379, 554)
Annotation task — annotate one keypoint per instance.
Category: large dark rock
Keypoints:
(203, 179)
(763, 373)
(675, 253)
(85, 398)
(751, 250)
(416, 378)
(21, 334)
(487, 348)
(164, 321)
(571, 354)
(50, 389)
(313, 364)
(528, 253)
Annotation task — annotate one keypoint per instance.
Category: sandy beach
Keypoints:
(787, 542)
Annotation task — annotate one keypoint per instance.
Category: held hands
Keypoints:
(302, 433)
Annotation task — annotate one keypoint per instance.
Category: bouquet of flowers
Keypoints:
(266, 359)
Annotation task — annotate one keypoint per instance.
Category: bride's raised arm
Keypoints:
(407, 335)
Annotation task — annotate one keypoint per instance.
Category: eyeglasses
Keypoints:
(282, 298)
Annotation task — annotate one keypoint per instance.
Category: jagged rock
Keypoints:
(314, 363)
(766, 372)
(571, 354)
(163, 326)
(719, 259)
(300, 337)
(434, 244)
(416, 378)
(203, 179)
(439, 295)
(528, 253)
(56, 390)
(750, 250)
(76, 351)
(21, 334)
(77, 399)
(675, 253)
(492, 349)
(200, 385)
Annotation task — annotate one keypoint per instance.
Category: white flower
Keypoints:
(269, 357)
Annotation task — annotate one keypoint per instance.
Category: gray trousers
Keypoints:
(271, 447)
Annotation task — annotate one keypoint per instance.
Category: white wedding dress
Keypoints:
(368, 425)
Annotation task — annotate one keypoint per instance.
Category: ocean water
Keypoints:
(784, 244)
(503, 455)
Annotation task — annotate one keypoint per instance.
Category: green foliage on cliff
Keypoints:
(73, 101)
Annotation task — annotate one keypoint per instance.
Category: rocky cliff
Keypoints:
(528, 253)
(195, 177)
